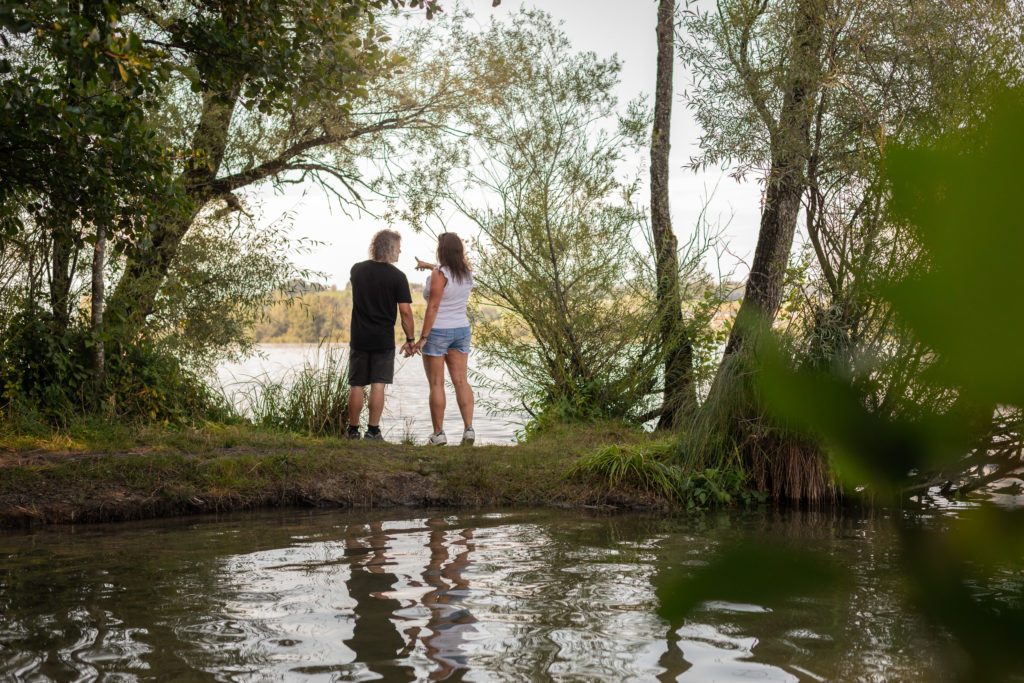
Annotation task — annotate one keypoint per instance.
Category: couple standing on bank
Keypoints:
(380, 292)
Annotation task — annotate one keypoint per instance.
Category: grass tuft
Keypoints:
(312, 401)
(647, 467)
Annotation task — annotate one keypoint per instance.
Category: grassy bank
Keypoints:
(95, 471)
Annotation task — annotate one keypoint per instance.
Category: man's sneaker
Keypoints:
(468, 437)
(352, 433)
(438, 439)
(373, 436)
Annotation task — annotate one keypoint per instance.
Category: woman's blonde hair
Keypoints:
(384, 246)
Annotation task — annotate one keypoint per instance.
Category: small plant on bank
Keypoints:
(408, 435)
(645, 467)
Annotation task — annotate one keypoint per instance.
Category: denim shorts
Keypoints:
(439, 341)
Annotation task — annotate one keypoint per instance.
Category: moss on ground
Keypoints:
(95, 471)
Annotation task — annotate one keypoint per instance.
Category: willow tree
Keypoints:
(851, 77)
(540, 182)
(767, 55)
(170, 112)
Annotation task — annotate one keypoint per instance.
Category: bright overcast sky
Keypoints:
(605, 27)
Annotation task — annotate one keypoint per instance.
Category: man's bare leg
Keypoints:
(355, 405)
(376, 404)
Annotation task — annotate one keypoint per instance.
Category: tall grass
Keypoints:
(647, 467)
(312, 400)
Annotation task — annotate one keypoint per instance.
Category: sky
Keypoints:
(605, 27)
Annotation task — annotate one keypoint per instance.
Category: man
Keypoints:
(378, 289)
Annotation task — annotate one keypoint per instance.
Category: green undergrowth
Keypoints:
(649, 466)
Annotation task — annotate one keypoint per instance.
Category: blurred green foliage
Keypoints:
(963, 198)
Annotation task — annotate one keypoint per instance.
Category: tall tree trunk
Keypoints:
(98, 261)
(135, 295)
(729, 419)
(679, 396)
(787, 180)
(61, 263)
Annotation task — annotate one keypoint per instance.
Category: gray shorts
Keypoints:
(370, 367)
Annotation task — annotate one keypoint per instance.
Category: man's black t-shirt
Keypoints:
(377, 289)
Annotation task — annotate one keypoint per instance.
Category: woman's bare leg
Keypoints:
(434, 367)
(457, 370)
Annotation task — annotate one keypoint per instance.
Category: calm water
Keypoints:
(406, 408)
(523, 596)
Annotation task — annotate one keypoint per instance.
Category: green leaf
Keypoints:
(962, 198)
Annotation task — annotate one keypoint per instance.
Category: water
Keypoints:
(406, 409)
(510, 596)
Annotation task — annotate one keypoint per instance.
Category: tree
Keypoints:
(266, 92)
(767, 55)
(145, 101)
(679, 393)
(877, 74)
(77, 153)
(788, 129)
(561, 246)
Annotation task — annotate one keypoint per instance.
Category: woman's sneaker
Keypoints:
(438, 439)
(468, 437)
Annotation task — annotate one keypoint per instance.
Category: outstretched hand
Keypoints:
(423, 265)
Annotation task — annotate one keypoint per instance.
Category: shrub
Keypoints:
(49, 376)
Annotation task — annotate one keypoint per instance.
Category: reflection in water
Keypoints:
(716, 655)
(447, 620)
(513, 596)
(375, 641)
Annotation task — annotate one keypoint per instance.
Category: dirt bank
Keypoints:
(172, 473)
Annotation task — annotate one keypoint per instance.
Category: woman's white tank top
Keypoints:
(452, 312)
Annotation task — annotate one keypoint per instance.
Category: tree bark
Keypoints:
(679, 396)
(98, 260)
(787, 181)
(61, 264)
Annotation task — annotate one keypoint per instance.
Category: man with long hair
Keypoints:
(379, 289)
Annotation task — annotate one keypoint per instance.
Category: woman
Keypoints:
(446, 334)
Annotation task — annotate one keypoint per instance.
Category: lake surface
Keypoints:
(509, 596)
(406, 409)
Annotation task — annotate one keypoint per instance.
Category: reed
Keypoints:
(312, 400)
